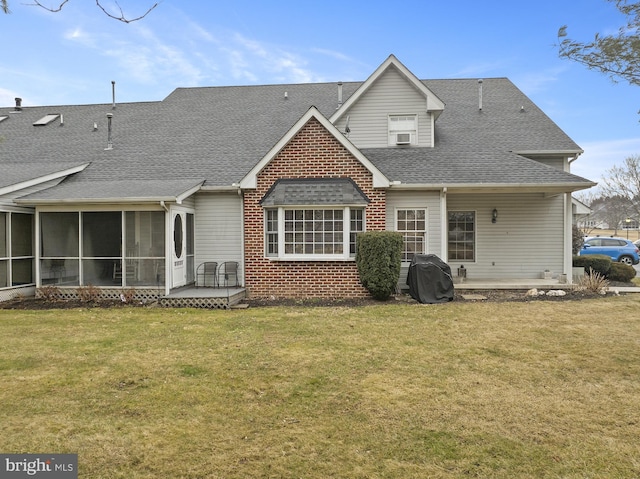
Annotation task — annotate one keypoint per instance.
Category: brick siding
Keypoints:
(312, 153)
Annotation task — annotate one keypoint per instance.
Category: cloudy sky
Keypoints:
(71, 57)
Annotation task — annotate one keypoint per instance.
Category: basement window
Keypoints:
(45, 120)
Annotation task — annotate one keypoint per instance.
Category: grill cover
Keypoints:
(430, 280)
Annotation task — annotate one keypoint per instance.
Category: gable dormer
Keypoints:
(393, 108)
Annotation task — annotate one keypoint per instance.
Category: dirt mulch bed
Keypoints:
(501, 295)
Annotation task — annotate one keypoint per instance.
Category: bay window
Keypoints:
(312, 233)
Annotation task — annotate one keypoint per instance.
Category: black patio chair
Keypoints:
(208, 269)
(228, 274)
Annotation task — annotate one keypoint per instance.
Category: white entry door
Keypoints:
(179, 249)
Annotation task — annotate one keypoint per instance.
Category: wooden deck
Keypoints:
(203, 297)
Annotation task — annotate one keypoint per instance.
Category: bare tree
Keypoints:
(624, 181)
(119, 15)
(617, 55)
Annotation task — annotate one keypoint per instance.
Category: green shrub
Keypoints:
(379, 254)
(621, 272)
(597, 262)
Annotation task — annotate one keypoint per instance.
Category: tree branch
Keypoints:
(54, 10)
(121, 17)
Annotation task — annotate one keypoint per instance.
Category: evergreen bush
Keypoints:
(621, 272)
(378, 256)
(597, 262)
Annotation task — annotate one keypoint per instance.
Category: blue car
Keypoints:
(618, 249)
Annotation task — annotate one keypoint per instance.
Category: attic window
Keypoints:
(45, 120)
(402, 130)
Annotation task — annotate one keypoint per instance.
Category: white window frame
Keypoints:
(280, 253)
(475, 238)
(404, 128)
(417, 233)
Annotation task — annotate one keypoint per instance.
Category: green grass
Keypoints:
(500, 390)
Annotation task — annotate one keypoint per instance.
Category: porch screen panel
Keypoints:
(60, 235)
(60, 248)
(21, 249)
(145, 243)
(4, 273)
(4, 253)
(21, 234)
(101, 248)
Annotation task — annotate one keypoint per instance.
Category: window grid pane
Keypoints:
(461, 236)
(315, 232)
(272, 232)
(412, 223)
(357, 226)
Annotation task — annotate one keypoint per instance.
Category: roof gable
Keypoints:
(433, 104)
(250, 179)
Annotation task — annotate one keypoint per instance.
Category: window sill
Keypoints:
(310, 258)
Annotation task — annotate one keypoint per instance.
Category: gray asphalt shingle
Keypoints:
(217, 134)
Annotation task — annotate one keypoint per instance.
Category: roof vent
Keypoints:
(480, 94)
(18, 104)
(339, 94)
(109, 142)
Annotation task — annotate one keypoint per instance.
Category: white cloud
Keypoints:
(78, 35)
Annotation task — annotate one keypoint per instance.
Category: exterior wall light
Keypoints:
(494, 216)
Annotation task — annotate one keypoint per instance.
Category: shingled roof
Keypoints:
(213, 136)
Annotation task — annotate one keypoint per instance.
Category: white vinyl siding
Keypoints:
(390, 95)
(526, 239)
(219, 232)
(429, 200)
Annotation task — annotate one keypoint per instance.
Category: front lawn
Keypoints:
(500, 390)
